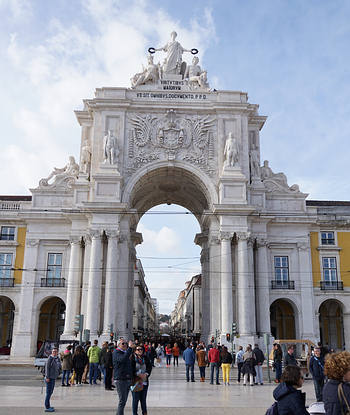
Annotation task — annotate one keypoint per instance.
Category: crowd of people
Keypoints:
(130, 365)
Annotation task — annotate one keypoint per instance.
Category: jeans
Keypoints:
(212, 366)
(78, 375)
(188, 367)
(168, 359)
(177, 360)
(50, 386)
(259, 374)
(93, 372)
(278, 367)
(239, 367)
(103, 370)
(65, 374)
(318, 384)
(139, 396)
(202, 371)
(123, 387)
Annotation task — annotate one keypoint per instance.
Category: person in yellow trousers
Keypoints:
(226, 361)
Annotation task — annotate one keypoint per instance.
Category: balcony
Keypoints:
(53, 282)
(331, 285)
(282, 285)
(7, 282)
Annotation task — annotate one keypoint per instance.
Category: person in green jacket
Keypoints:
(94, 353)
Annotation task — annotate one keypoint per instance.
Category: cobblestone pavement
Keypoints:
(169, 393)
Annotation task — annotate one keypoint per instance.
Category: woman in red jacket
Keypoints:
(176, 354)
(168, 353)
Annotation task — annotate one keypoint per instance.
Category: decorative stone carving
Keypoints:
(275, 182)
(244, 236)
(63, 178)
(261, 242)
(171, 137)
(75, 240)
(112, 233)
(95, 233)
(85, 163)
(226, 235)
(149, 75)
(32, 242)
(197, 78)
(110, 148)
(231, 151)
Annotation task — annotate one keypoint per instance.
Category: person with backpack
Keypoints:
(52, 371)
(259, 360)
(248, 366)
(336, 392)
(239, 360)
(316, 368)
(289, 400)
(67, 365)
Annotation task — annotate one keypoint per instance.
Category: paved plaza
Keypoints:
(169, 393)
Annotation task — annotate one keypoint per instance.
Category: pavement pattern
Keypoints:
(169, 393)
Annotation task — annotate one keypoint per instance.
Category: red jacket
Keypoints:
(214, 355)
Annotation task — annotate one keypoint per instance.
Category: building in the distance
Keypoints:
(272, 261)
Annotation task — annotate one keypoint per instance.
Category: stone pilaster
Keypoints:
(243, 286)
(262, 289)
(226, 283)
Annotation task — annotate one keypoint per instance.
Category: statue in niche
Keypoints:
(254, 162)
(231, 151)
(173, 61)
(85, 157)
(267, 173)
(150, 74)
(196, 77)
(70, 170)
(110, 148)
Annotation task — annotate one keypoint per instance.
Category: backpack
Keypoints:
(273, 410)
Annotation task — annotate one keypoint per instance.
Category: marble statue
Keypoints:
(173, 60)
(231, 151)
(150, 74)
(85, 157)
(70, 170)
(267, 173)
(110, 148)
(254, 162)
(196, 77)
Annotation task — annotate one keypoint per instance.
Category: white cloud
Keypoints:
(165, 241)
(18, 9)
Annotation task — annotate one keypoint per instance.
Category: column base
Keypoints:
(69, 336)
(22, 346)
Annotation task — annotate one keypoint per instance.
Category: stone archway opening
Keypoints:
(7, 314)
(51, 320)
(282, 318)
(331, 324)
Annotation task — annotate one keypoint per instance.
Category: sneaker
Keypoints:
(62, 385)
(192, 380)
(261, 383)
(228, 383)
(50, 410)
(218, 383)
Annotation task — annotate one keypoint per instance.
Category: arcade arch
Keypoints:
(51, 319)
(282, 319)
(331, 324)
(7, 314)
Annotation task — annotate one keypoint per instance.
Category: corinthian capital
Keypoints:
(112, 233)
(95, 233)
(261, 242)
(75, 240)
(243, 236)
(226, 236)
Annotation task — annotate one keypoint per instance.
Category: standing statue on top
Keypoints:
(110, 148)
(231, 151)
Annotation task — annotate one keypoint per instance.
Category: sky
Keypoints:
(292, 57)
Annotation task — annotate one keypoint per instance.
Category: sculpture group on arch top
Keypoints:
(171, 136)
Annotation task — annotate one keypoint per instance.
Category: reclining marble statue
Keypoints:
(70, 170)
(197, 78)
(150, 74)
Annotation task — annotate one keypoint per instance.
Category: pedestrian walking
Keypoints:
(289, 399)
(277, 361)
(239, 360)
(160, 354)
(289, 358)
(93, 354)
(52, 370)
(176, 354)
(316, 368)
(214, 360)
(79, 361)
(336, 392)
(86, 369)
(102, 362)
(248, 369)
(189, 358)
(108, 365)
(67, 365)
(201, 361)
(259, 359)
(142, 368)
(168, 354)
(226, 361)
(123, 371)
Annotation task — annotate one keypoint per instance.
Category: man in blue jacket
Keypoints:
(316, 367)
(123, 371)
(189, 357)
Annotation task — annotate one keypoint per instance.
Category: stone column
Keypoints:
(95, 277)
(201, 239)
(86, 273)
(307, 296)
(263, 289)
(122, 312)
(346, 330)
(111, 294)
(73, 288)
(243, 287)
(226, 283)
(214, 284)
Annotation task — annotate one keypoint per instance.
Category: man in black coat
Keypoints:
(123, 372)
(289, 358)
(316, 367)
(259, 358)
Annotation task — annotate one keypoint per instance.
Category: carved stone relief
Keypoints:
(171, 137)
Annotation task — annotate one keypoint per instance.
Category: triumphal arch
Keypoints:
(170, 138)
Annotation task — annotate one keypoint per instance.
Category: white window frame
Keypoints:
(282, 281)
(321, 245)
(328, 256)
(14, 233)
(55, 266)
(7, 267)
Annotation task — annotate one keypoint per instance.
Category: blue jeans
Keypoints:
(278, 368)
(123, 387)
(168, 359)
(212, 366)
(65, 374)
(93, 372)
(318, 384)
(202, 371)
(139, 396)
(50, 386)
(188, 367)
(103, 370)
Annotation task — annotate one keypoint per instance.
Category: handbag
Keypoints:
(137, 385)
(342, 399)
